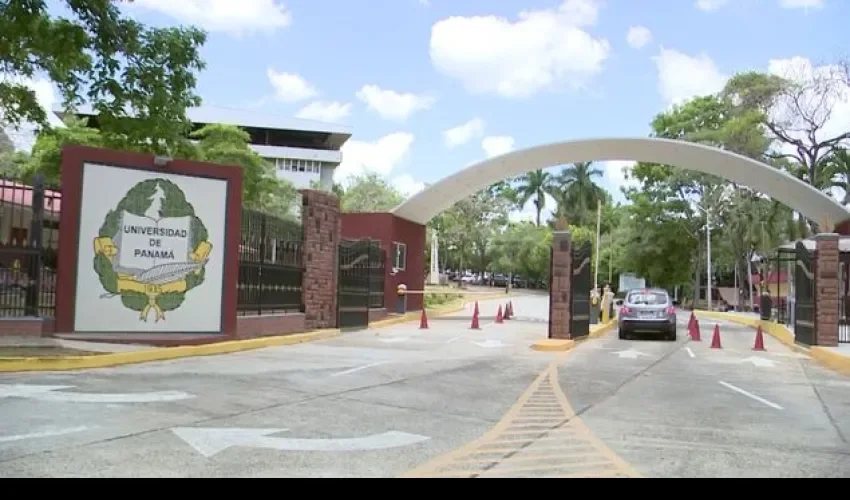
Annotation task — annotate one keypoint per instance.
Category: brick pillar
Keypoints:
(826, 292)
(322, 229)
(559, 286)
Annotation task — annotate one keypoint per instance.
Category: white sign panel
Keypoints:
(151, 252)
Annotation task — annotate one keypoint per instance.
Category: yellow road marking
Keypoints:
(567, 443)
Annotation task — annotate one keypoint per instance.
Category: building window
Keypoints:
(399, 256)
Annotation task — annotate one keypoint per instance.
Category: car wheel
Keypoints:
(623, 335)
(672, 336)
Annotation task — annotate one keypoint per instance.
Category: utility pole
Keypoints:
(598, 235)
(708, 257)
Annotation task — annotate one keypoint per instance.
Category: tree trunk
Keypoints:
(750, 280)
(697, 275)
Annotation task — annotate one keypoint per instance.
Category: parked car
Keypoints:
(648, 311)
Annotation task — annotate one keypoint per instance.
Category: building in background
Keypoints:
(302, 151)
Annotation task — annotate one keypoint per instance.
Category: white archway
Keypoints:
(777, 184)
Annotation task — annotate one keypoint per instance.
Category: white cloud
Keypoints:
(407, 185)
(681, 77)
(325, 111)
(425, 3)
(801, 4)
(497, 145)
(392, 105)
(223, 15)
(616, 173)
(464, 133)
(289, 87)
(529, 211)
(638, 36)
(516, 59)
(380, 156)
(833, 112)
(711, 5)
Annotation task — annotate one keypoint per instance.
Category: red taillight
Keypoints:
(625, 310)
(671, 310)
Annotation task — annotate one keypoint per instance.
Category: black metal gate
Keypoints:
(360, 261)
(29, 236)
(844, 298)
(580, 277)
(805, 309)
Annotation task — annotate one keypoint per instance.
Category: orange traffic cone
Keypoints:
(507, 315)
(475, 309)
(475, 325)
(691, 321)
(715, 341)
(511, 307)
(499, 318)
(423, 320)
(759, 345)
(694, 331)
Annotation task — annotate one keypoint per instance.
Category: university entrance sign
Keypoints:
(152, 245)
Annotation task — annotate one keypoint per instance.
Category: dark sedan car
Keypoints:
(647, 312)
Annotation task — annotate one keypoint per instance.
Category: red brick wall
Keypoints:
(27, 327)
(559, 287)
(388, 228)
(826, 294)
(265, 326)
(322, 227)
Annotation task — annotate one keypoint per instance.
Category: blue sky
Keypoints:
(401, 73)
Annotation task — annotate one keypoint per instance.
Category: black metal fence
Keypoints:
(377, 277)
(29, 241)
(271, 268)
(844, 298)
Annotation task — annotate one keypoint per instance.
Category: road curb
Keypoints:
(67, 363)
(563, 345)
(831, 359)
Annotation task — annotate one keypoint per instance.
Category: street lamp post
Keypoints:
(708, 257)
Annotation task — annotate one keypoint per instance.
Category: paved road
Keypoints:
(444, 402)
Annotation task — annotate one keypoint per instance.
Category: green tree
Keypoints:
(370, 193)
(577, 193)
(140, 80)
(261, 188)
(534, 185)
(46, 156)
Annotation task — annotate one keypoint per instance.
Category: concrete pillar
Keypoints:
(826, 292)
(559, 286)
(322, 229)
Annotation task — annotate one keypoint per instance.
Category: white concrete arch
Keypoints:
(777, 184)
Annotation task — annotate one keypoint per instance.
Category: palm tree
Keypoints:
(578, 194)
(534, 184)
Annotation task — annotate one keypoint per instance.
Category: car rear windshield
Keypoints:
(647, 298)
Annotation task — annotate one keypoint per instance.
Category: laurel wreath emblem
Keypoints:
(163, 287)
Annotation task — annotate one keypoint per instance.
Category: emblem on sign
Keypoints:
(151, 249)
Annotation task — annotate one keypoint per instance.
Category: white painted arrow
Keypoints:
(209, 442)
(629, 354)
(491, 344)
(42, 434)
(394, 340)
(759, 362)
(50, 393)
